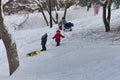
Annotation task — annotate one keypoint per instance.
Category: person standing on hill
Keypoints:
(57, 37)
(96, 9)
(43, 42)
(62, 23)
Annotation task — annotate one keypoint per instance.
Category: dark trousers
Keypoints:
(43, 47)
(58, 43)
(60, 27)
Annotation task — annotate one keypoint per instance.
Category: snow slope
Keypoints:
(86, 53)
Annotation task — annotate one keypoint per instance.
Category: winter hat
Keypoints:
(58, 31)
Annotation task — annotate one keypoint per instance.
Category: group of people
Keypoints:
(57, 38)
(63, 25)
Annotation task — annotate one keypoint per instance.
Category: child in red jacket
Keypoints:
(57, 37)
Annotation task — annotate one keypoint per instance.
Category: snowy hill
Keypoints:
(86, 53)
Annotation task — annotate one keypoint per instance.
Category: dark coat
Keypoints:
(68, 25)
(44, 39)
(57, 36)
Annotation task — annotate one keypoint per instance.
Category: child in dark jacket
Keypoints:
(57, 37)
(43, 42)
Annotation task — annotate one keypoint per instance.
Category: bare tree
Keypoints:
(9, 45)
(66, 6)
(47, 8)
(39, 4)
(106, 19)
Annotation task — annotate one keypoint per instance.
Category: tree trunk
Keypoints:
(43, 14)
(109, 12)
(11, 50)
(57, 5)
(66, 5)
(50, 9)
(46, 5)
(106, 20)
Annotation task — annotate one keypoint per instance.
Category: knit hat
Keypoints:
(58, 31)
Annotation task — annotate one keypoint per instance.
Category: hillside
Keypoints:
(86, 53)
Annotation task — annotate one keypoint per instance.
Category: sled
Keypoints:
(68, 26)
(33, 53)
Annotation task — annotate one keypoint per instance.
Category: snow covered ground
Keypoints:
(86, 53)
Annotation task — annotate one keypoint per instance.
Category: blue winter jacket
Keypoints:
(44, 39)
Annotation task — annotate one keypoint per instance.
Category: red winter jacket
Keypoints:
(58, 36)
